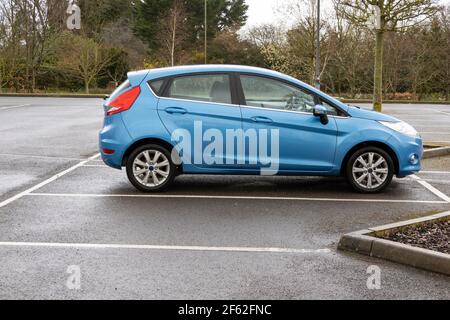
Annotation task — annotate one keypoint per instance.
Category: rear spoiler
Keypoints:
(136, 77)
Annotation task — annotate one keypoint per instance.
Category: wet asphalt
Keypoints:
(93, 204)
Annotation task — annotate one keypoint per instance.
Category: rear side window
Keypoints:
(123, 87)
(205, 88)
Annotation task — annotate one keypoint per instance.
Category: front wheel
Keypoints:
(370, 170)
(150, 169)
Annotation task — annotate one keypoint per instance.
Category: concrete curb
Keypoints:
(436, 152)
(365, 242)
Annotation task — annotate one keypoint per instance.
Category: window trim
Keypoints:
(317, 98)
(237, 91)
(170, 79)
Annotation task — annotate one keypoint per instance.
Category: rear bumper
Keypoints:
(113, 137)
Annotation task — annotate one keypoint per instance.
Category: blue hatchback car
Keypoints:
(237, 120)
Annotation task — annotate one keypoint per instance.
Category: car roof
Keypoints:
(180, 70)
(171, 71)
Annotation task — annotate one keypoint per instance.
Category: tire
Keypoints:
(370, 170)
(156, 167)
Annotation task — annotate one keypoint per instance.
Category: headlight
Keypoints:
(401, 127)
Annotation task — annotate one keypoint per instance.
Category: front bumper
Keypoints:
(409, 152)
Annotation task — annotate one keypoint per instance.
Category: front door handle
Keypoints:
(175, 110)
(262, 120)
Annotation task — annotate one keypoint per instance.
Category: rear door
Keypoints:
(203, 105)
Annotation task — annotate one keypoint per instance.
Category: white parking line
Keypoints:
(14, 107)
(436, 181)
(435, 172)
(95, 166)
(431, 188)
(157, 247)
(176, 196)
(24, 155)
(443, 112)
(444, 143)
(429, 126)
(49, 180)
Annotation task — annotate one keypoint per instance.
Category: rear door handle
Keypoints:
(175, 110)
(262, 120)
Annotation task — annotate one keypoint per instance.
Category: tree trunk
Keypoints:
(86, 87)
(378, 72)
(174, 34)
(33, 80)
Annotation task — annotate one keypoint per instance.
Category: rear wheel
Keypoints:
(150, 168)
(370, 170)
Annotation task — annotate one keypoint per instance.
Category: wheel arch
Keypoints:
(377, 144)
(141, 142)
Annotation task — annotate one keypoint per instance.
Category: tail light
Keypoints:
(108, 151)
(123, 102)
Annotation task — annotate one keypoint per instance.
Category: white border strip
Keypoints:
(176, 196)
(49, 180)
(157, 247)
(432, 189)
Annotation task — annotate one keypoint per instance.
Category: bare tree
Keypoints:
(443, 50)
(34, 34)
(266, 34)
(173, 28)
(11, 46)
(83, 58)
(349, 58)
(302, 39)
(391, 15)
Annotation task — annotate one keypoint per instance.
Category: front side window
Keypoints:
(332, 111)
(268, 93)
(205, 88)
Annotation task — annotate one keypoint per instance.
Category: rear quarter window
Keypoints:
(156, 86)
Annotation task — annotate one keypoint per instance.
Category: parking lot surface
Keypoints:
(209, 237)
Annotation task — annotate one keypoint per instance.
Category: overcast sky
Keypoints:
(265, 11)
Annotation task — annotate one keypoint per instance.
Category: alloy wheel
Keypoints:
(151, 168)
(370, 170)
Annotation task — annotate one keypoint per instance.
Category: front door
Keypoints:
(305, 144)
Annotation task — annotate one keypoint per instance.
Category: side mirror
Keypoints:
(322, 112)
